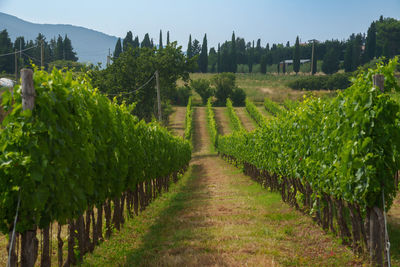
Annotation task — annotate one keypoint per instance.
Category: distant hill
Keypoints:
(90, 45)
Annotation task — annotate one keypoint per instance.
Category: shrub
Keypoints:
(331, 82)
(238, 97)
(180, 96)
(202, 87)
(224, 84)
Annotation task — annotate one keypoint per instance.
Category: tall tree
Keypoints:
(69, 53)
(330, 64)
(296, 56)
(370, 45)
(203, 59)
(167, 37)
(136, 42)
(356, 53)
(160, 44)
(146, 41)
(118, 49)
(258, 52)
(263, 64)
(219, 58)
(189, 51)
(212, 59)
(128, 41)
(59, 53)
(6, 62)
(251, 58)
(233, 54)
(348, 55)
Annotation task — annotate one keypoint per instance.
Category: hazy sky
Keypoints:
(273, 21)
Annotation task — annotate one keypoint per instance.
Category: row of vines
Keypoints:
(74, 158)
(334, 159)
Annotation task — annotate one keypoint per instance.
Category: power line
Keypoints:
(131, 92)
(16, 52)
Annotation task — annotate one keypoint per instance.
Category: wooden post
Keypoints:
(29, 244)
(379, 81)
(158, 96)
(28, 91)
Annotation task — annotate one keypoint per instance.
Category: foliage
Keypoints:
(331, 62)
(189, 121)
(180, 95)
(224, 84)
(202, 87)
(118, 49)
(203, 57)
(235, 121)
(272, 107)
(135, 67)
(330, 82)
(296, 56)
(255, 113)
(75, 150)
(238, 97)
(212, 125)
(346, 148)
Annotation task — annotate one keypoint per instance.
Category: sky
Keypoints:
(272, 21)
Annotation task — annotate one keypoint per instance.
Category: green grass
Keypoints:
(257, 86)
(141, 235)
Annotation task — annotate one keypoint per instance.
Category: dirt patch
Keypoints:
(177, 121)
(222, 121)
(267, 90)
(248, 123)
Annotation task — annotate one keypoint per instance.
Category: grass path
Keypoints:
(248, 123)
(222, 120)
(177, 123)
(216, 216)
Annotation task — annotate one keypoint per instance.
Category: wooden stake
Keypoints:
(379, 81)
(28, 91)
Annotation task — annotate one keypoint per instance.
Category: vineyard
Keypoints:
(119, 191)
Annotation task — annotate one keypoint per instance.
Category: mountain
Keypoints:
(90, 45)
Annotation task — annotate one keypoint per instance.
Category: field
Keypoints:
(258, 86)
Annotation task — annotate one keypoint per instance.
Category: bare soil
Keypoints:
(177, 123)
(248, 123)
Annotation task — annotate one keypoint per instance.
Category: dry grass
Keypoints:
(248, 123)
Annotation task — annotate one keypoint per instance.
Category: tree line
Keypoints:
(59, 48)
(239, 55)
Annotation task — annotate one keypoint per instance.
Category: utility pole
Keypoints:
(158, 96)
(312, 55)
(41, 54)
(108, 57)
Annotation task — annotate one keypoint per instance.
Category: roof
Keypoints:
(4, 82)
(290, 61)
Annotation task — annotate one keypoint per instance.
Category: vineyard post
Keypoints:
(29, 243)
(376, 227)
(158, 95)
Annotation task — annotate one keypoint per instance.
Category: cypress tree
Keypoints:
(314, 70)
(136, 42)
(146, 41)
(356, 53)
(167, 37)
(203, 59)
(263, 63)
(189, 52)
(69, 53)
(59, 53)
(6, 47)
(233, 54)
(219, 58)
(330, 64)
(296, 56)
(251, 58)
(118, 49)
(370, 45)
(160, 45)
(128, 41)
(348, 56)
